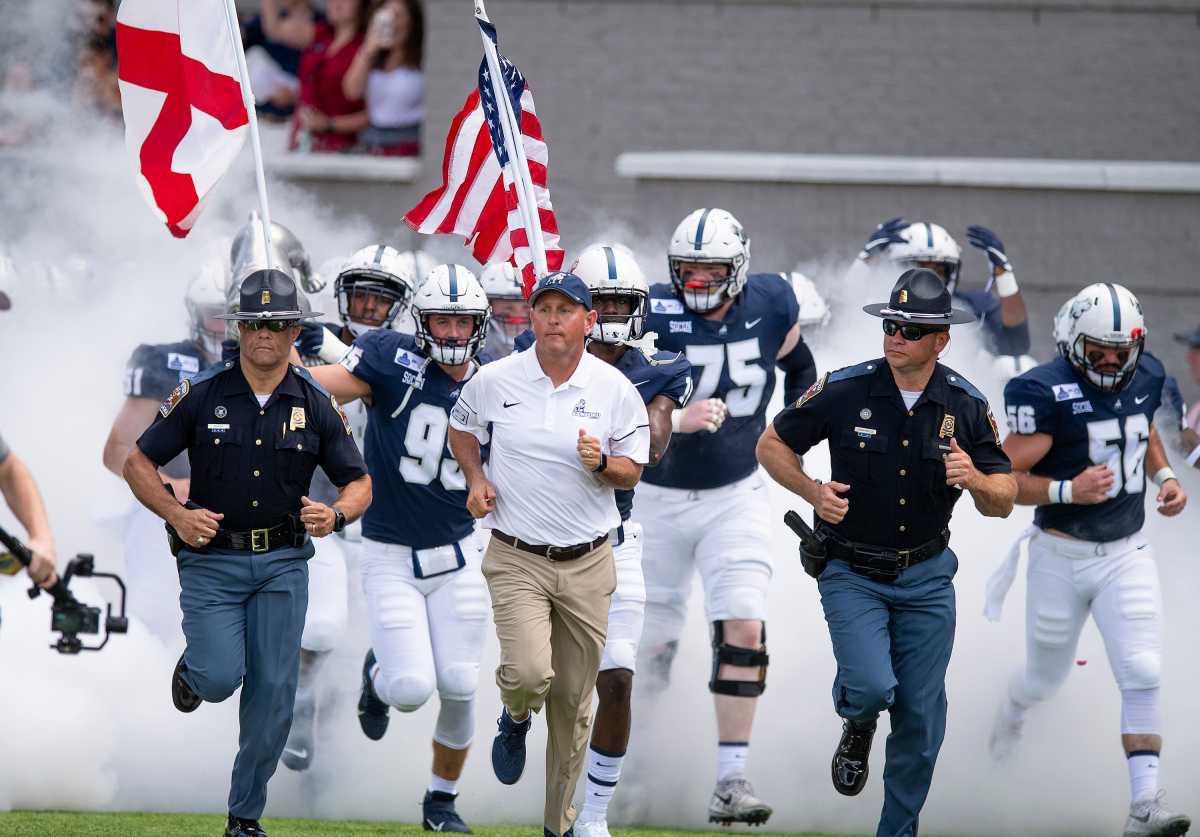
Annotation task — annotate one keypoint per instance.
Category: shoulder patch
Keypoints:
(178, 394)
(666, 306)
(341, 414)
(813, 391)
(995, 427)
(410, 360)
(856, 371)
(183, 363)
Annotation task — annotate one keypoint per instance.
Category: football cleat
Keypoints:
(372, 712)
(1007, 729)
(439, 814)
(591, 828)
(733, 800)
(1151, 818)
(298, 751)
(851, 760)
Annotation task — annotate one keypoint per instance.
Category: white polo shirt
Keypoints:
(544, 494)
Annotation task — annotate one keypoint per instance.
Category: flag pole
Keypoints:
(235, 32)
(519, 165)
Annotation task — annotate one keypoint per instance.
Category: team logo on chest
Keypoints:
(582, 411)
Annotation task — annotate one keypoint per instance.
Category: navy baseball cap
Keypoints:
(1191, 338)
(567, 284)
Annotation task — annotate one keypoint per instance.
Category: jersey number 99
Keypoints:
(425, 442)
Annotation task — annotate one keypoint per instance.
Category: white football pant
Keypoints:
(328, 596)
(628, 608)
(722, 532)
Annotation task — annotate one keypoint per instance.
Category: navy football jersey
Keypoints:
(420, 493)
(732, 359)
(154, 370)
(1089, 427)
(667, 373)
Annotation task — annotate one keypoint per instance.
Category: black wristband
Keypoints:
(603, 466)
(339, 520)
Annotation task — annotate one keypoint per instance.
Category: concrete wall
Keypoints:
(972, 78)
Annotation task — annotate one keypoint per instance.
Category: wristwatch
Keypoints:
(339, 520)
(603, 464)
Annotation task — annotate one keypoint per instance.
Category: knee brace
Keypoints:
(741, 658)
(1139, 712)
(455, 727)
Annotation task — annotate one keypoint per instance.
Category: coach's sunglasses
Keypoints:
(271, 325)
(909, 331)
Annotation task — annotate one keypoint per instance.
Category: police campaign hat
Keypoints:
(920, 297)
(269, 295)
(567, 284)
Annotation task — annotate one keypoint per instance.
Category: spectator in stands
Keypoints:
(96, 77)
(327, 119)
(387, 71)
(274, 41)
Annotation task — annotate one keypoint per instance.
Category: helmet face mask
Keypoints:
(1101, 332)
(205, 301)
(620, 292)
(451, 291)
(709, 237)
(373, 288)
(929, 246)
(627, 322)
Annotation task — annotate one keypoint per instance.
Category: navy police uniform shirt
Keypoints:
(252, 463)
(420, 493)
(154, 370)
(732, 359)
(667, 373)
(1089, 427)
(889, 455)
(998, 338)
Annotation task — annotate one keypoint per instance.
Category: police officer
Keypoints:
(906, 434)
(255, 429)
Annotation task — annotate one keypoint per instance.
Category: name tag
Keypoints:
(865, 431)
(439, 560)
(218, 428)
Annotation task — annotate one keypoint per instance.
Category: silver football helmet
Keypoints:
(205, 300)
(709, 236)
(1102, 318)
(928, 245)
(286, 249)
(510, 311)
(451, 289)
(611, 271)
(374, 286)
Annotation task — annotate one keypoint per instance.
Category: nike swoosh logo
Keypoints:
(639, 383)
(1140, 400)
(1146, 818)
(433, 827)
(725, 800)
(752, 323)
(511, 404)
(300, 754)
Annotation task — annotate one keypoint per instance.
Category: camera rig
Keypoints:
(69, 616)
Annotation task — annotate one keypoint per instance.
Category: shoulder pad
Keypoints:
(954, 379)
(1152, 364)
(305, 375)
(856, 371)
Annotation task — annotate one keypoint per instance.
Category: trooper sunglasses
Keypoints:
(909, 331)
(271, 325)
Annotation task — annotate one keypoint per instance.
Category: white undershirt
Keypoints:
(910, 398)
(262, 399)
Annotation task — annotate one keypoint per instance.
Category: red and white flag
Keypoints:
(185, 116)
(478, 195)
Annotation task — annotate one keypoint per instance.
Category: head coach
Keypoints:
(566, 429)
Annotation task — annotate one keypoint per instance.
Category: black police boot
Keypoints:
(548, 833)
(438, 813)
(850, 761)
(372, 712)
(238, 827)
(182, 696)
(508, 747)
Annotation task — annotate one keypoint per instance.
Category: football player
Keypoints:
(620, 296)
(1083, 447)
(704, 507)
(426, 598)
(999, 307)
(510, 311)
(151, 373)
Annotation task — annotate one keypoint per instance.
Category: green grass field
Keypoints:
(64, 824)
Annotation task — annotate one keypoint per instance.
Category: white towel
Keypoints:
(1001, 579)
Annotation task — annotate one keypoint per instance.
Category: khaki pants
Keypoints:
(551, 619)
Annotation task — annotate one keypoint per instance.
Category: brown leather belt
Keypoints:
(553, 553)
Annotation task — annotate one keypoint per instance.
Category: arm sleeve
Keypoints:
(1030, 407)
(630, 433)
(984, 439)
(805, 423)
(340, 458)
(799, 371)
(171, 431)
(469, 412)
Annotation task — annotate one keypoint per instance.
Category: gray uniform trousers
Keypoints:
(892, 643)
(243, 614)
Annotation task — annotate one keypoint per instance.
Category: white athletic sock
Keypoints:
(437, 783)
(603, 773)
(1143, 775)
(731, 759)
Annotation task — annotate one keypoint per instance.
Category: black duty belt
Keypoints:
(554, 553)
(260, 540)
(881, 563)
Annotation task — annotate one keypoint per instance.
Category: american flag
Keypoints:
(478, 197)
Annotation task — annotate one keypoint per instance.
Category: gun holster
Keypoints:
(174, 542)
(297, 531)
(813, 556)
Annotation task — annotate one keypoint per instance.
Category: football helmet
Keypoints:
(1103, 316)
(510, 311)
(709, 236)
(610, 270)
(451, 289)
(286, 249)
(373, 287)
(927, 245)
(205, 300)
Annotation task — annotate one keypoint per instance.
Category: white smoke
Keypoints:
(98, 275)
